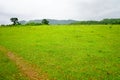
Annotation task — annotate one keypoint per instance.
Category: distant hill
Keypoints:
(51, 21)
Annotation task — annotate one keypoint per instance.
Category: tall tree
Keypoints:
(45, 21)
(14, 20)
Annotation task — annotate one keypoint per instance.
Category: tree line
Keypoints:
(104, 21)
(46, 22)
(16, 22)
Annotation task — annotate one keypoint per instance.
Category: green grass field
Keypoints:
(68, 52)
(8, 70)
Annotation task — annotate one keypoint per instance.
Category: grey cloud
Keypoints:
(98, 8)
(59, 9)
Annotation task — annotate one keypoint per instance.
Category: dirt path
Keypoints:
(29, 70)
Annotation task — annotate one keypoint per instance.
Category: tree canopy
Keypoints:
(45, 21)
(14, 20)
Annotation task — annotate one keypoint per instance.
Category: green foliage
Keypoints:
(32, 24)
(69, 52)
(2, 25)
(15, 21)
(45, 22)
(104, 21)
(111, 21)
(8, 70)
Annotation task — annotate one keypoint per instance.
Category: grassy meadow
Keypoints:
(8, 70)
(67, 52)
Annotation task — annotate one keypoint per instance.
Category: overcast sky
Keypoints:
(59, 9)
